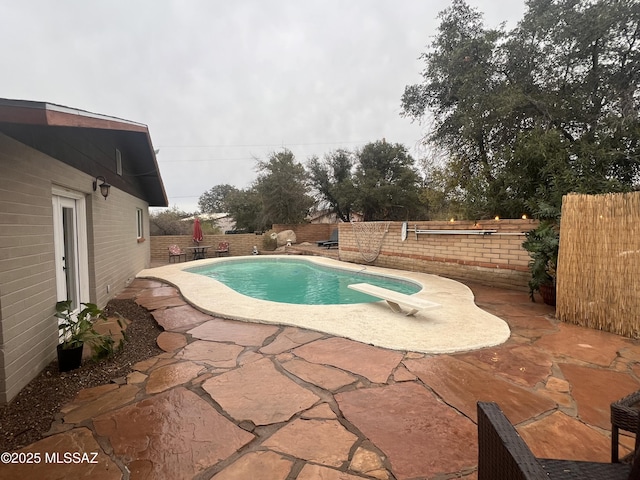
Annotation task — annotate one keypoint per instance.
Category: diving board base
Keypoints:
(395, 300)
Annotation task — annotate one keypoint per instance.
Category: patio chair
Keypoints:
(624, 416)
(176, 251)
(332, 242)
(503, 455)
(223, 249)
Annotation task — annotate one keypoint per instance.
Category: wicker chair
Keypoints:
(624, 416)
(503, 455)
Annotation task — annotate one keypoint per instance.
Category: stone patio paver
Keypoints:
(329, 378)
(408, 413)
(588, 345)
(146, 365)
(373, 363)
(560, 436)
(320, 441)
(531, 327)
(630, 353)
(289, 338)
(407, 423)
(271, 465)
(78, 442)
(594, 390)
(520, 364)
(180, 318)
(168, 376)
(136, 287)
(220, 355)
(558, 385)
(249, 356)
(401, 374)
(103, 403)
(462, 384)
(159, 291)
(158, 303)
(171, 341)
(88, 395)
(157, 298)
(136, 377)
(317, 472)
(259, 393)
(240, 333)
(175, 434)
(562, 397)
(369, 463)
(319, 411)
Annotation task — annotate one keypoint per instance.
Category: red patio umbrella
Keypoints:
(197, 231)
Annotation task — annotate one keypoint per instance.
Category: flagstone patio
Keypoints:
(234, 400)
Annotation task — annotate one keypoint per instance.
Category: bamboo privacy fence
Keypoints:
(598, 281)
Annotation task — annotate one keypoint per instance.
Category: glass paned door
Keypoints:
(70, 249)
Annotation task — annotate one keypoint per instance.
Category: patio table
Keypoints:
(200, 251)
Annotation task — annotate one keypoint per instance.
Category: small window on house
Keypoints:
(140, 222)
(118, 162)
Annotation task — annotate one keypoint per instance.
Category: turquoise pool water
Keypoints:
(298, 281)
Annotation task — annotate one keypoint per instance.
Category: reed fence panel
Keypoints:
(598, 277)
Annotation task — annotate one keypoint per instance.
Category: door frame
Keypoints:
(81, 250)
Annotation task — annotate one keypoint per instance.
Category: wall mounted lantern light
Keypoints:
(104, 186)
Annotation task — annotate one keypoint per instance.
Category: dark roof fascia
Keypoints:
(42, 113)
(29, 112)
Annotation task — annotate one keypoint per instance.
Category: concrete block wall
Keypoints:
(28, 330)
(308, 232)
(239, 244)
(118, 255)
(497, 259)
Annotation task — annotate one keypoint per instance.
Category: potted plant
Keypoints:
(542, 243)
(77, 329)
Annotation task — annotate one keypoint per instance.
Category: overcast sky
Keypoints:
(222, 83)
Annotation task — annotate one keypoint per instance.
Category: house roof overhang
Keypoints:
(54, 124)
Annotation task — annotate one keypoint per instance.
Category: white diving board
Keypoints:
(395, 299)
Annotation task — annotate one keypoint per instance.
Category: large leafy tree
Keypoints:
(278, 195)
(245, 207)
(214, 199)
(282, 186)
(332, 179)
(379, 182)
(386, 183)
(458, 90)
(531, 114)
(169, 222)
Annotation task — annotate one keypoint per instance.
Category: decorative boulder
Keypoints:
(286, 236)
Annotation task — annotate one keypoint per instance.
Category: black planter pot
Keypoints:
(548, 293)
(69, 358)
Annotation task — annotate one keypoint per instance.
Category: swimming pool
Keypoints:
(292, 280)
(458, 325)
